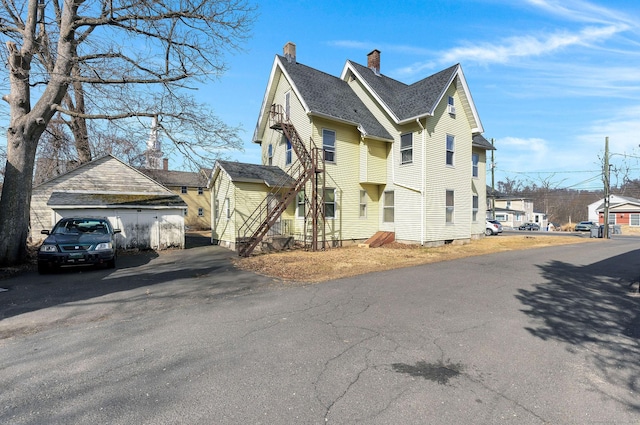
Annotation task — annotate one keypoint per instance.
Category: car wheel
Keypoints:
(488, 232)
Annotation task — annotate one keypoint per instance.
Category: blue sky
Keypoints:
(550, 79)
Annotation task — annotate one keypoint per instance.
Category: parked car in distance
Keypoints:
(585, 226)
(529, 226)
(492, 228)
(497, 223)
(78, 241)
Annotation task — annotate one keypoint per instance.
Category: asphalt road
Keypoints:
(531, 337)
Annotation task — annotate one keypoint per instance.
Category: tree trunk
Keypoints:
(16, 196)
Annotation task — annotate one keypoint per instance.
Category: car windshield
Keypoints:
(70, 227)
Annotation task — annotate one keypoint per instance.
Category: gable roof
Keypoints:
(253, 173)
(325, 95)
(122, 185)
(408, 102)
(624, 200)
(177, 178)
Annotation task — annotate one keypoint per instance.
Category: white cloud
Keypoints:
(581, 11)
(527, 46)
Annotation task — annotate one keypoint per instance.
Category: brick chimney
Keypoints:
(165, 164)
(373, 61)
(290, 52)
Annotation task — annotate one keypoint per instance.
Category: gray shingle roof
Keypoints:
(408, 101)
(480, 142)
(267, 174)
(331, 96)
(176, 178)
(114, 200)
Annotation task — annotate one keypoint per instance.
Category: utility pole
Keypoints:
(606, 175)
(493, 184)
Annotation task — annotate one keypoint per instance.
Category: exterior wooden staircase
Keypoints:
(309, 165)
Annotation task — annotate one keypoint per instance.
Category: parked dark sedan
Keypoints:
(529, 226)
(78, 241)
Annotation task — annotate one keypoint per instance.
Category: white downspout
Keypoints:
(423, 184)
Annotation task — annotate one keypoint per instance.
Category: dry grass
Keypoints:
(302, 266)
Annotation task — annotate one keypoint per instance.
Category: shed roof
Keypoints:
(254, 173)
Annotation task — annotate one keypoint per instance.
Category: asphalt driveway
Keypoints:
(530, 337)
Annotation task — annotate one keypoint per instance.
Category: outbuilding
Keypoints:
(149, 215)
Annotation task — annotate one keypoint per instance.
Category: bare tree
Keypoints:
(151, 47)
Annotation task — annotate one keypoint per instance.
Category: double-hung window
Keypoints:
(329, 145)
(475, 159)
(330, 203)
(288, 154)
(270, 154)
(450, 148)
(388, 206)
(363, 204)
(300, 204)
(474, 208)
(449, 202)
(634, 219)
(200, 191)
(183, 189)
(200, 212)
(406, 148)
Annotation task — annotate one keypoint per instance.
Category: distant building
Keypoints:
(192, 188)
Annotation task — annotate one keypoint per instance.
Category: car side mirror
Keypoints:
(116, 231)
(44, 232)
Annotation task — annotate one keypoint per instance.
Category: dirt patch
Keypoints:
(303, 266)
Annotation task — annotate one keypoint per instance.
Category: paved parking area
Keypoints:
(530, 337)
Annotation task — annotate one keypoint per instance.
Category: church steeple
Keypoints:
(153, 154)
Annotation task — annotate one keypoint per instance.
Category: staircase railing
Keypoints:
(257, 225)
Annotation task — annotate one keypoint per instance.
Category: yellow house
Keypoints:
(365, 154)
(192, 188)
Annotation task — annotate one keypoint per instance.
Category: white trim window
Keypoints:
(475, 159)
(363, 204)
(388, 207)
(200, 190)
(450, 149)
(474, 208)
(406, 148)
(634, 219)
(329, 145)
(183, 190)
(270, 154)
(450, 106)
(227, 205)
(300, 204)
(330, 203)
(612, 218)
(287, 105)
(200, 212)
(449, 206)
(288, 153)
